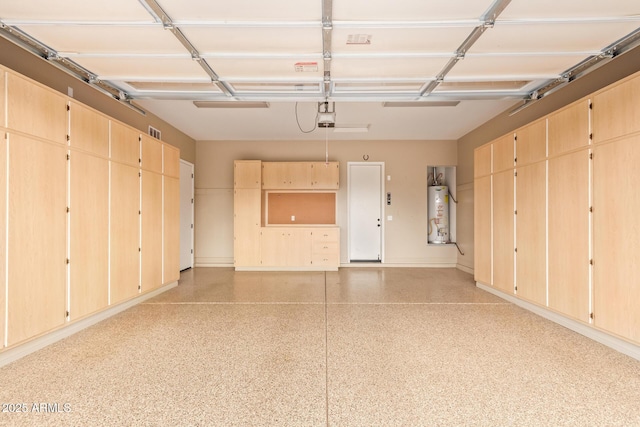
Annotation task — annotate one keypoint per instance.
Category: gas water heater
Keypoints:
(438, 213)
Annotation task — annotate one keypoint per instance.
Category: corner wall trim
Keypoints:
(610, 341)
(13, 354)
(464, 268)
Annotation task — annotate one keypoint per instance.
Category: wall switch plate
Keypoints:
(293, 217)
(388, 177)
(390, 218)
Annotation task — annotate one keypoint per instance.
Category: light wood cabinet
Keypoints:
(3, 117)
(616, 110)
(247, 174)
(531, 233)
(285, 247)
(503, 153)
(300, 176)
(325, 176)
(569, 234)
(125, 144)
(151, 154)
(89, 130)
(89, 234)
(36, 110)
(503, 239)
(325, 247)
(125, 232)
(482, 161)
(3, 226)
(152, 213)
(37, 237)
(569, 128)
(171, 161)
(246, 227)
(616, 237)
(171, 230)
(482, 230)
(531, 143)
(286, 176)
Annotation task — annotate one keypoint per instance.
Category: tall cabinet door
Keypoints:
(246, 227)
(37, 237)
(125, 232)
(3, 222)
(151, 230)
(616, 234)
(89, 234)
(171, 235)
(482, 229)
(503, 239)
(569, 234)
(531, 233)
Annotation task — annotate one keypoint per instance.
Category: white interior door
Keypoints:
(365, 211)
(186, 214)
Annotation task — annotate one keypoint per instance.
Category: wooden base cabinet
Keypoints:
(37, 237)
(309, 248)
(616, 237)
(325, 247)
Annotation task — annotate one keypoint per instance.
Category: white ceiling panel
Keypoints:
(74, 10)
(445, 39)
(243, 10)
(408, 10)
(520, 66)
(143, 68)
(361, 52)
(399, 68)
(545, 37)
(99, 39)
(260, 40)
(259, 68)
(544, 9)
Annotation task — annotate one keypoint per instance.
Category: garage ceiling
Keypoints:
(462, 61)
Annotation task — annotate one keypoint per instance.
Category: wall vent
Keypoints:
(155, 132)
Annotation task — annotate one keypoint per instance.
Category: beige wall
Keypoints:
(40, 70)
(618, 68)
(406, 161)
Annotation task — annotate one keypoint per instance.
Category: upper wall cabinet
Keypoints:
(151, 150)
(2, 100)
(569, 128)
(247, 174)
(482, 161)
(503, 153)
(531, 143)
(125, 144)
(616, 111)
(89, 130)
(171, 161)
(325, 175)
(300, 176)
(36, 110)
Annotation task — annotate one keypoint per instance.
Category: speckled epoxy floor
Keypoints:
(358, 347)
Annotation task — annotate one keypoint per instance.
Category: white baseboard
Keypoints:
(396, 265)
(604, 338)
(212, 264)
(15, 353)
(464, 268)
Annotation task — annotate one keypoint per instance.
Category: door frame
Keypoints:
(192, 229)
(382, 209)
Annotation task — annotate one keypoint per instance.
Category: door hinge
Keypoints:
(139, 249)
(592, 316)
(590, 105)
(67, 260)
(139, 287)
(591, 156)
(515, 250)
(591, 261)
(515, 212)
(591, 209)
(590, 136)
(68, 157)
(68, 107)
(67, 314)
(68, 138)
(515, 288)
(67, 209)
(515, 160)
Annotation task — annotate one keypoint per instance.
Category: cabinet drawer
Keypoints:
(328, 235)
(325, 247)
(331, 259)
